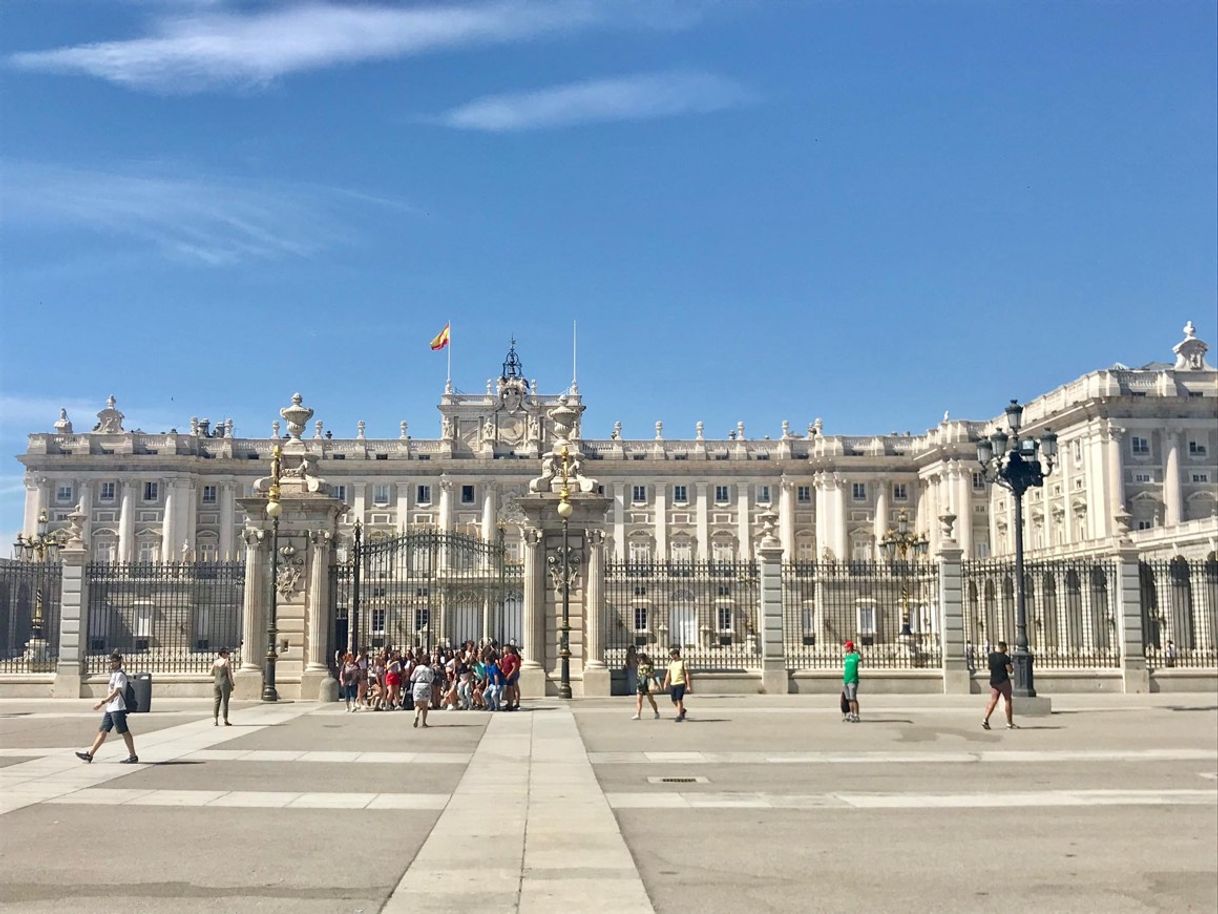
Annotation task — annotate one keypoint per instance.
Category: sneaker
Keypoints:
(84, 756)
(985, 725)
(228, 723)
(130, 760)
(1012, 726)
(657, 714)
(636, 717)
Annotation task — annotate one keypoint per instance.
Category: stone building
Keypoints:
(1137, 446)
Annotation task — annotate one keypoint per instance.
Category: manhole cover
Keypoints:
(679, 779)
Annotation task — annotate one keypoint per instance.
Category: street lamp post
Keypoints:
(34, 548)
(563, 565)
(273, 510)
(897, 544)
(1014, 463)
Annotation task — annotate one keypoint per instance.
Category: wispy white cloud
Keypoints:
(213, 221)
(626, 98)
(191, 52)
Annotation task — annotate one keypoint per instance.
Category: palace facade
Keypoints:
(1137, 451)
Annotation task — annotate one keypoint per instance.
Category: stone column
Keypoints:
(35, 501)
(126, 524)
(359, 501)
(963, 506)
(488, 512)
(73, 620)
(596, 674)
(532, 669)
(745, 548)
(84, 497)
(661, 522)
(446, 504)
(841, 530)
(253, 614)
(1116, 473)
(823, 539)
(1134, 675)
(702, 520)
(774, 679)
(619, 521)
(169, 524)
(318, 679)
(956, 677)
(189, 510)
(786, 518)
(227, 520)
(1173, 500)
(881, 523)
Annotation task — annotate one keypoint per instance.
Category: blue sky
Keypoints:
(869, 212)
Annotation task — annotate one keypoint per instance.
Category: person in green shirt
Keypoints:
(850, 681)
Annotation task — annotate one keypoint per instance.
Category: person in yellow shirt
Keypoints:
(678, 681)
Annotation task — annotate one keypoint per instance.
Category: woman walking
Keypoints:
(421, 681)
(646, 683)
(222, 686)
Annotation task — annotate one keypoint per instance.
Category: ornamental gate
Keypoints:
(423, 589)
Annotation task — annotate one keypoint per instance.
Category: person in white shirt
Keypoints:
(115, 717)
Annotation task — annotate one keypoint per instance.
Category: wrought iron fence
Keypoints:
(1180, 612)
(888, 609)
(167, 617)
(29, 616)
(708, 609)
(427, 588)
(1070, 604)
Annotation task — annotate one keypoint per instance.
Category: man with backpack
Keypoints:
(115, 718)
(850, 682)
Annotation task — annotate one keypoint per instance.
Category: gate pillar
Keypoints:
(540, 672)
(297, 604)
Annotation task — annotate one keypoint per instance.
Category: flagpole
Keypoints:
(448, 381)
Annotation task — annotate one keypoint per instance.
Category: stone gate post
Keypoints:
(957, 680)
(73, 610)
(774, 678)
(1134, 675)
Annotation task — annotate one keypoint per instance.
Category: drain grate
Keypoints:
(679, 779)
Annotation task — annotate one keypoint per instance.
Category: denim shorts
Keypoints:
(678, 693)
(114, 720)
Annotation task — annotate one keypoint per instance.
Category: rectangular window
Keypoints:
(1140, 445)
(638, 494)
(724, 618)
(63, 494)
(1078, 452)
(340, 492)
(763, 495)
(467, 495)
(209, 495)
(107, 491)
(900, 492)
(721, 495)
(378, 621)
(380, 494)
(147, 551)
(858, 491)
(422, 495)
(867, 619)
(978, 481)
(152, 491)
(1201, 477)
(1146, 524)
(1142, 477)
(209, 552)
(640, 552)
(640, 618)
(803, 494)
(1196, 449)
(680, 494)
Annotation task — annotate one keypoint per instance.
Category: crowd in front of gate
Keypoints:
(472, 677)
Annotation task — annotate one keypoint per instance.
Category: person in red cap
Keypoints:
(850, 681)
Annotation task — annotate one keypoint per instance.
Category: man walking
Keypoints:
(850, 681)
(678, 681)
(1000, 684)
(115, 717)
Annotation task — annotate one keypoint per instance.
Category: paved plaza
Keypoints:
(757, 803)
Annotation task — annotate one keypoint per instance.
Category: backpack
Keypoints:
(129, 699)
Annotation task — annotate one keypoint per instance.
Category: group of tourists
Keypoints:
(472, 677)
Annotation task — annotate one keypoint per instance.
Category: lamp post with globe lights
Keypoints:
(273, 509)
(564, 564)
(898, 543)
(1017, 463)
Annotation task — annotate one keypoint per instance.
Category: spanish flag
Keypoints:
(441, 339)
